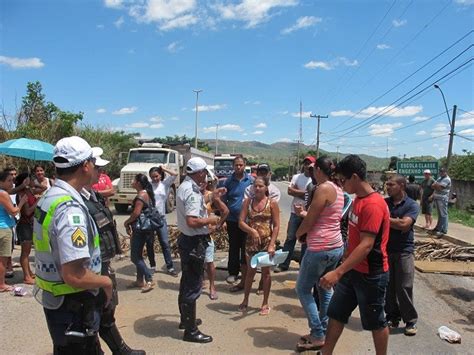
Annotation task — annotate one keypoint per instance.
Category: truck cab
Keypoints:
(141, 160)
(224, 165)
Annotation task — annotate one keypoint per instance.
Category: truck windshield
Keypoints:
(224, 164)
(148, 156)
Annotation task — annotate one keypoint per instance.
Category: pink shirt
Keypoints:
(325, 234)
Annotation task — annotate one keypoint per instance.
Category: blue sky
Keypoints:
(133, 64)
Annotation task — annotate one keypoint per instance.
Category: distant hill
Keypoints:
(278, 153)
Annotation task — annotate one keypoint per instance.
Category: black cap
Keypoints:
(264, 166)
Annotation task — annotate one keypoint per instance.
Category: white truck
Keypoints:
(142, 159)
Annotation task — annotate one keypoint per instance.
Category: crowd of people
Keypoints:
(355, 253)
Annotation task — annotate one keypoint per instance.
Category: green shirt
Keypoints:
(427, 189)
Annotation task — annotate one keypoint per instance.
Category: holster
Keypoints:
(85, 307)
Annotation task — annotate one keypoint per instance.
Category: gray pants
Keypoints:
(399, 297)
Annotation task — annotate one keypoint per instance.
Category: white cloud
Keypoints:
(156, 119)
(210, 108)
(332, 64)
(439, 129)
(420, 118)
(420, 133)
(138, 125)
(22, 63)
(174, 118)
(383, 130)
(179, 22)
(399, 23)
(383, 46)
(125, 110)
(120, 21)
(467, 132)
(465, 2)
(114, 4)
(468, 121)
(304, 114)
(302, 22)
(261, 125)
(285, 140)
(257, 133)
(101, 110)
(157, 125)
(283, 112)
(174, 47)
(225, 127)
(249, 102)
(252, 12)
(100, 27)
(389, 111)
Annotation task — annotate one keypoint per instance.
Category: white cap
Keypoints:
(195, 164)
(427, 171)
(76, 150)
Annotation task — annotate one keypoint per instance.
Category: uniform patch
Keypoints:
(78, 238)
(75, 220)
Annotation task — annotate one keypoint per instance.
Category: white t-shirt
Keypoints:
(161, 191)
(300, 182)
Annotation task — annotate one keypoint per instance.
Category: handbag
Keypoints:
(150, 219)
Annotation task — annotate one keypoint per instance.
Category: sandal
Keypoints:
(264, 311)
(243, 307)
(236, 288)
(307, 344)
(213, 295)
(148, 287)
(7, 289)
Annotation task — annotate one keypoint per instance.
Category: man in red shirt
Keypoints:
(363, 276)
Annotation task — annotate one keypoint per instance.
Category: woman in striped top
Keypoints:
(324, 250)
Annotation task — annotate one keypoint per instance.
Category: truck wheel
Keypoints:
(171, 202)
(121, 207)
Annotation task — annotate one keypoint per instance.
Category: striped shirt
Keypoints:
(325, 234)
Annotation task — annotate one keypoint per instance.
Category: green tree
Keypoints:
(462, 166)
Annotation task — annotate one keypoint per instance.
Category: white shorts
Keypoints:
(210, 252)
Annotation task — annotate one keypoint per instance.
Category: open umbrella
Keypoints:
(32, 149)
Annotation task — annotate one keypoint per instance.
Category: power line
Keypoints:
(463, 137)
(408, 77)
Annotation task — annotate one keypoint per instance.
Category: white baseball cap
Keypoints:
(427, 171)
(195, 165)
(75, 150)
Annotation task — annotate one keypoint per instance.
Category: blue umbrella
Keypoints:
(32, 149)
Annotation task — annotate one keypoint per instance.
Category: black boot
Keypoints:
(182, 322)
(115, 342)
(191, 332)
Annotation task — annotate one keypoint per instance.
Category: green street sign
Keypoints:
(416, 168)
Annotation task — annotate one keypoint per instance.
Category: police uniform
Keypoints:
(109, 247)
(192, 244)
(63, 232)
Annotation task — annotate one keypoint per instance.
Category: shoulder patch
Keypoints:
(75, 220)
(78, 238)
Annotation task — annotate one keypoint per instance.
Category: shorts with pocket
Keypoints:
(6, 238)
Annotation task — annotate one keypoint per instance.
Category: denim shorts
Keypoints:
(210, 252)
(363, 290)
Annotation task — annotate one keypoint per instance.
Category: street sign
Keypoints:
(416, 168)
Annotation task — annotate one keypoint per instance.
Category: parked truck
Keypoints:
(148, 155)
(224, 165)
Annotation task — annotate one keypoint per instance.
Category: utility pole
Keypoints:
(300, 133)
(217, 141)
(196, 122)
(451, 138)
(317, 132)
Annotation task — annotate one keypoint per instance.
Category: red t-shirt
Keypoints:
(103, 183)
(370, 214)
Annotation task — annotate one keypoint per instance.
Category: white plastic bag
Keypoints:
(449, 335)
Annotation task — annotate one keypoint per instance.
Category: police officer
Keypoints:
(68, 283)
(193, 224)
(109, 247)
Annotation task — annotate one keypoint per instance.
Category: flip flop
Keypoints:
(7, 289)
(264, 311)
(243, 307)
(32, 282)
(307, 345)
(236, 288)
(213, 296)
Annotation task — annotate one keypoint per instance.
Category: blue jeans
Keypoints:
(136, 255)
(290, 241)
(313, 266)
(165, 247)
(442, 208)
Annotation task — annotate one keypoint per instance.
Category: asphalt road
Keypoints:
(150, 320)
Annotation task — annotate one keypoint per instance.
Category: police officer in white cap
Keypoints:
(193, 222)
(67, 254)
(109, 247)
